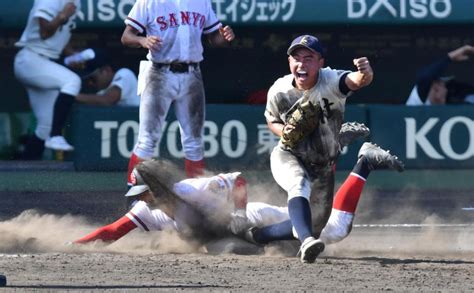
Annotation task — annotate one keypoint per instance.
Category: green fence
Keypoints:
(236, 136)
(426, 137)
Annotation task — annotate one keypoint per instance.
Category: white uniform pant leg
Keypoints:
(43, 80)
(190, 112)
(338, 227)
(290, 174)
(160, 90)
(42, 103)
(39, 72)
(261, 214)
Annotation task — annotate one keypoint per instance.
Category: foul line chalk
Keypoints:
(410, 225)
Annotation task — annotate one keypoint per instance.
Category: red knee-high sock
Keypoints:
(111, 232)
(348, 195)
(134, 160)
(194, 168)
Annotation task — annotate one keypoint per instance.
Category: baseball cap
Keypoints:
(138, 186)
(230, 178)
(447, 78)
(101, 59)
(306, 41)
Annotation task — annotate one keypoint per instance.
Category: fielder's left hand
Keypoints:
(363, 65)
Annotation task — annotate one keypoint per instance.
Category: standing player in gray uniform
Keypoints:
(51, 87)
(173, 32)
(305, 168)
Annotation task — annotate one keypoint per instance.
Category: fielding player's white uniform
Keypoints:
(212, 196)
(126, 80)
(180, 24)
(307, 171)
(35, 64)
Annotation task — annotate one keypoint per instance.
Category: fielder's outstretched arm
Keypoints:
(362, 77)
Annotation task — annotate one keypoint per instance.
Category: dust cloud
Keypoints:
(431, 238)
(405, 223)
(33, 232)
(432, 235)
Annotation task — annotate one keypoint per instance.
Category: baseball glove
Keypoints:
(158, 175)
(301, 122)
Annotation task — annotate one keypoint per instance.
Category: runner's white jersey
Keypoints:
(180, 24)
(150, 220)
(126, 80)
(259, 214)
(208, 194)
(51, 47)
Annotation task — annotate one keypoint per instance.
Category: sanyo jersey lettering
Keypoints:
(51, 47)
(322, 146)
(179, 24)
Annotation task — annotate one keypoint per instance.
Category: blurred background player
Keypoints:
(51, 87)
(172, 33)
(432, 88)
(306, 169)
(112, 87)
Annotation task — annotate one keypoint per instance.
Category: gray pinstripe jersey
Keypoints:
(322, 146)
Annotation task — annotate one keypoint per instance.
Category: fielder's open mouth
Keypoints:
(301, 74)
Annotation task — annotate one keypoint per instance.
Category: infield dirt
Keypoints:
(436, 254)
(431, 258)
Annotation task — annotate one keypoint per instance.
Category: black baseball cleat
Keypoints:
(351, 131)
(310, 249)
(378, 158)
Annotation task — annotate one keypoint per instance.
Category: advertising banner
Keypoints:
(435, 137)
(235, 137)
(111, 13)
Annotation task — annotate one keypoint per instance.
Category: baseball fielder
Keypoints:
(223, 198)
(173, 32)
(313, 97)
(51, 87)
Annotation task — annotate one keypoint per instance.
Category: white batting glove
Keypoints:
(239, 222)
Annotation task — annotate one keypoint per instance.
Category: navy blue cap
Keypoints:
(306, 41)
(101, 59)
(447, 78)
